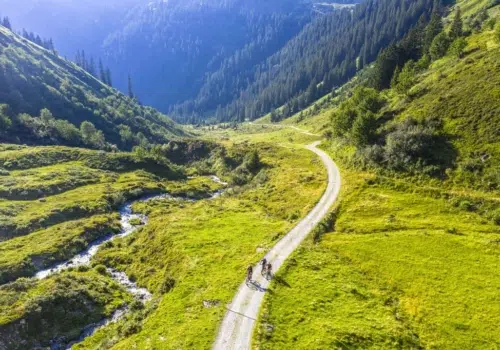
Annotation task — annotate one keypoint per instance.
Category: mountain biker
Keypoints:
(249, 272)
(264, 265)
(269, 270)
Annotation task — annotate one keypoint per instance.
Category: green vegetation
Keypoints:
(412, 249)
(23, 256)
(49, 100)
(34, 312)
(56, 200)
(400, 271)
(404, 260)
(191, 252)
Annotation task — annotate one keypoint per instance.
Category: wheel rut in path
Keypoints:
(236, 329)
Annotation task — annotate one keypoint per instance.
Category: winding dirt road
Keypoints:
(237, 327)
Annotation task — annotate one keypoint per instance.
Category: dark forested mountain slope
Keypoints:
(324, 55)
(169, 47)
(78, 109)
(237, 59)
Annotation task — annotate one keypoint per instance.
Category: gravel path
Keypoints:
(237, 327)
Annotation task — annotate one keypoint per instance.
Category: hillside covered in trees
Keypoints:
(324, 55)
(46, 99)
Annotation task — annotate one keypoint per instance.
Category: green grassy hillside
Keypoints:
(33, 79)
(411, 258)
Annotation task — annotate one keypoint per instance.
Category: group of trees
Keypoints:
(45, 43)
(6, 22)
(89, 65)
(409, 145)
(45, 129)
(184, 53)
(398, 64)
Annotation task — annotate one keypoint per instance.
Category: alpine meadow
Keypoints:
(236, 174)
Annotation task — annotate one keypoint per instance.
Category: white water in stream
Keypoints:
(142, 294)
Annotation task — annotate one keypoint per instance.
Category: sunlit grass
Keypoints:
(205, 247)
(400, 271)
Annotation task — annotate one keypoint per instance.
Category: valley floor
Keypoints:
(404, 266)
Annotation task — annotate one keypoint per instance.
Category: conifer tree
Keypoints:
(439, 46)
(6, 23)
(108, 77)
(78, 59)
(102, 72)
(130, 90)
(91, 67)
(456, 30)
(84, 61)
(434, 27)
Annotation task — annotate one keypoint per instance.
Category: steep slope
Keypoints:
(325, 54)
(169, 47)
(32, 79)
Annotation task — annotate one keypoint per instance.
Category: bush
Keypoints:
(497, 32)
(439, 46)
(252, 161)
(466, 205)
(364, 129)
(457, 47)
(418, 146)
(101, 269)
(326, 225)
(343, 119)
(355, 117)
(403, 81)
(136, 305)
(167, 285)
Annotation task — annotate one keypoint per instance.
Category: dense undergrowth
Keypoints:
(33, 313)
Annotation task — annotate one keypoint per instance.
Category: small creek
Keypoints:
(83, 258)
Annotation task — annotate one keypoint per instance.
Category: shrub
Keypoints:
(363, 104)
(83, 268)
(363, 130)
(343, 119)
(261, 177)
(326, 225)
(418, 146)
(101, 269)
(404, 80)
(457, 47)
(167, 285)
(466, 205)
(136, 305)
(252, 161)
(439, 46)
(497, 32)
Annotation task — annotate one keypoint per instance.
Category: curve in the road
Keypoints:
(237, 327)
